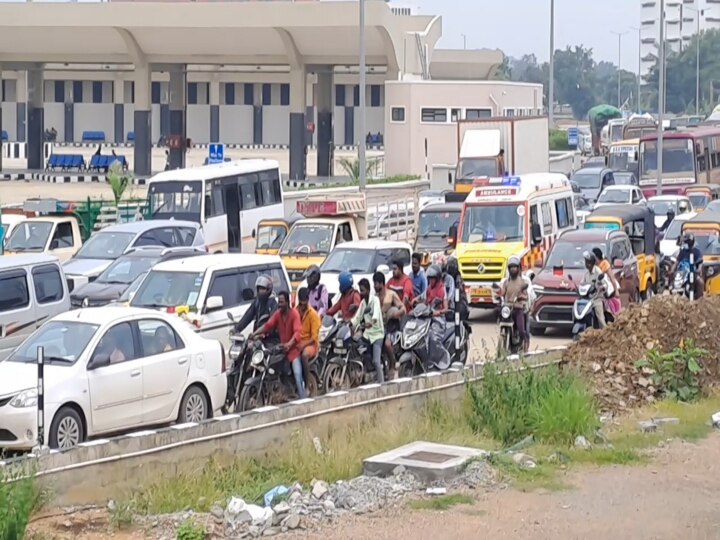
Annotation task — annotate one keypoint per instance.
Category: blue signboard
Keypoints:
(216, 153)
(572, 137)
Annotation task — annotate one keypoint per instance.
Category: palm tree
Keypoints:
(352, 168)
(118, 180)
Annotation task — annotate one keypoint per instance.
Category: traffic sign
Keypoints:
(216, 153)
(572, 137)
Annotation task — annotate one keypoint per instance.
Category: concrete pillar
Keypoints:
(257, 114)
(214, 100)
(142, 120)
(21, 110)
(177, 102)
(119, 109)
(324, 104)
(69, 110)
(35, 121)
(298, 157)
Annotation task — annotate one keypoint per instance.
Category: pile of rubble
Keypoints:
(608, 357)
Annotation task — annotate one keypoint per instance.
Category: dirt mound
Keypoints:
(607, 357)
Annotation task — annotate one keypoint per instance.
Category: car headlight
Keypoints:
(505, 312)
(710, 271)
(85, 302)
(258, 357)
(28, 398)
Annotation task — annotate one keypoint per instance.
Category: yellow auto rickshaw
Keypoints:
(702, 195)
(706, 229)
(270, 234)
(638, 222)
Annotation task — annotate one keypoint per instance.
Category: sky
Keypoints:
(520, 27)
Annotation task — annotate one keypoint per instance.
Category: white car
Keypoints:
(109, 369)
(662, 204)
(362, 259)
(620, 195)
(668, 245)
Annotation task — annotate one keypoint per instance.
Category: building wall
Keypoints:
(420, 110)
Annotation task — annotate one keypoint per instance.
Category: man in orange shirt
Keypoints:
(309, 331)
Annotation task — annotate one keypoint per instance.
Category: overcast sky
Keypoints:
(518, 27)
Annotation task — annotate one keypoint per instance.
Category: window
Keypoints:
(13, 290)
(509, 112)
(356, 96)
(225, 284)
(570, 211)
(229, 93)
(562, 213)
(77, 92)
(97, 93)
(375, 95)
(455, 115)
(249, 90)
(270, 187)
(157, 337)
(267, 94)
(59, 91)
(118, 343)
(192, 93)
(340, 95)
(433, 115)
(248, 200)
(397, 114)
(217, 203)
(184, 236)
(63, 237)
(474, 114)
(534, 219)
(164, 237)
(284, 94)
(48, 284)
(402, 255)
(155, 92)
(547, 218)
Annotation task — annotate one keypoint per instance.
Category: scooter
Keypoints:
(423, 349)
(681, 280)
(583, 312)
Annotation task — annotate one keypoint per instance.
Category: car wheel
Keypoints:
(648, 294)
(193, 407)
(66, 430)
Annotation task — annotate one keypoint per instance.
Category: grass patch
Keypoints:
(542, 477)
(19, 498)
(441, 503)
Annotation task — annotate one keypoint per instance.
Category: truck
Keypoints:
(495, 147)
(599, 117)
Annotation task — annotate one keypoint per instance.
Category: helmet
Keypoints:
(452, 265)
(265, 282)
(312, 270)
(689, 239)
(345, 280)
(514, 261)
(589, 257)
(433, 271)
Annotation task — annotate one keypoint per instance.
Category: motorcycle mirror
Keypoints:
(230, 316)
(570, 277)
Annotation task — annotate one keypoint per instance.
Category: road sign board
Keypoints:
(572, 137)
(216, 153)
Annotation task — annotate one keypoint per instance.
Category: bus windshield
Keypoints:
(678, 157)
(493, 223)
(174, 199)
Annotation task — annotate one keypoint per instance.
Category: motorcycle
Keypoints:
(509, 341)
(271, 380)
(328, 349)
(681, 280)
(239, 358)
(665, 279)
(424, 344)
(583, 312)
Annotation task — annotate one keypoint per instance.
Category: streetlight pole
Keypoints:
(551, 83)
(639, 75)
(464, 41)
(619, 35)
(661, 97)
(363, 76)
(698, 13)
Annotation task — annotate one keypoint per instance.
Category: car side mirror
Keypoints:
(452, 234)
(618, 264)
(99, 360)
(383, 269)
(253, 233)
(213, 304)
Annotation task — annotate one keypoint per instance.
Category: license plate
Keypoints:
(480, 291)
(411, 325)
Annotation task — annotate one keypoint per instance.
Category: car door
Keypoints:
(165, 365)
(225, 284)
(17, 310)
(51, 296)
(116, 389)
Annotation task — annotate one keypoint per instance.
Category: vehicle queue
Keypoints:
(189, 333)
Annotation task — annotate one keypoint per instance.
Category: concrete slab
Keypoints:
(428, 461)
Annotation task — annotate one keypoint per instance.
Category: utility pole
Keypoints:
(363, 77)
(551, 83)
(639, 72)
(464, 41)
(619, 35)
(661, 97)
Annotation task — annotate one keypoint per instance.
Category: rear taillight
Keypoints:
(224, 362)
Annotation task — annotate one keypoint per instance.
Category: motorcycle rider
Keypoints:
(517, 290)
(393, 311)
(453, 270)
(372, 325)
(318, 291)
(593, 273)
(436, 290)
(688, 247)
(449, 284)
(348, 297)
(264, 304)
(309, 331)
(401, 284)
(604, 265)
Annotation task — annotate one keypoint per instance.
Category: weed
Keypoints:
(542, 476)
(19, 497)
(189, 530)
(122, 516)
(676, 373)
(441, 503)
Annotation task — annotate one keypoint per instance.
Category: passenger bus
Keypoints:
(689, 157)
(623, 156)
(227, 199)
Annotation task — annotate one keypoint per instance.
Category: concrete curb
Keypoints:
(232, 146)
(62, 178)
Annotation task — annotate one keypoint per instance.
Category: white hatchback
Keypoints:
(109, 369)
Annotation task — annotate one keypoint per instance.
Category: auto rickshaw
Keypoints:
(639, 224)
(702, 194)
(270, 234)
(706, 228)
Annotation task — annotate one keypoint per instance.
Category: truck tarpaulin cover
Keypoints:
(600, 115)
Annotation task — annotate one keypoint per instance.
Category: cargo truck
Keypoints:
(494, 147)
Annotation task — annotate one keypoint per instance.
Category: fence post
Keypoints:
(457, 317)
(41, 396)
(692, 276)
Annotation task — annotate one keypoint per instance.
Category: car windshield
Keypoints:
(63, 342)
(132, 289)
(673, 231)
(310, 239)
(271, 236)
(124, 270)
(29, 236)
(494, 223)
(570, 254)
(587, 180)
(437, 223)
(162, 289)
(699, 200)
(620, 196)
(354, 260)
(473, 168)
(661, 208)
(105, 245)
